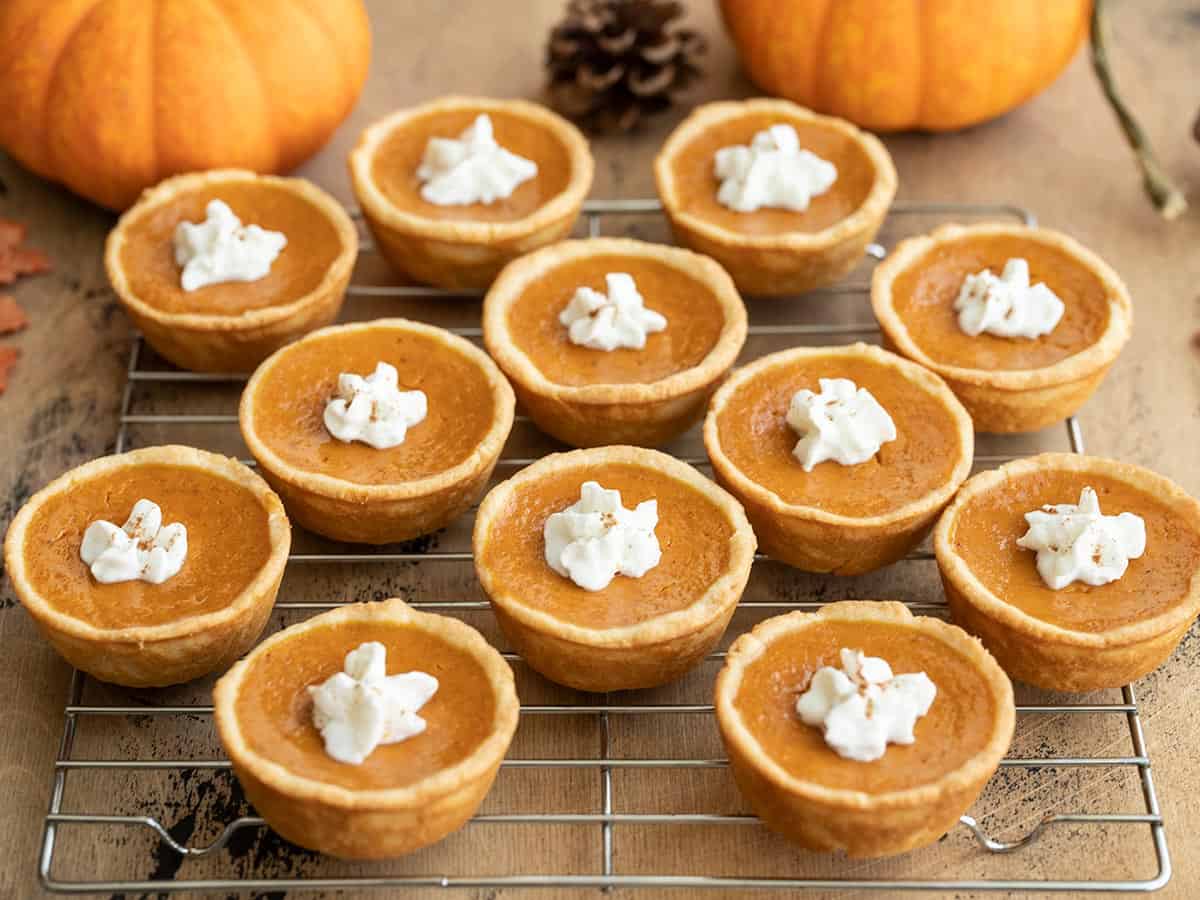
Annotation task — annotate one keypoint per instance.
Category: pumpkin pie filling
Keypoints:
(396, 160)
(987, 528)
(957, 728)
(697, 183)
(692, 531)
(219, 565)
(923, 296)
(290, 402)
(755, 436)
(274, 709)
(695, 321)
(148, 261)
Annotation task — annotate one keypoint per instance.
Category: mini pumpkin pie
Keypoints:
(1077, 572)
(454, 189)
(378, 431)
(611, 340)
(181, 589)
(861, 727)
(1023, 323)
(842, 456)
(785, 199)
(612, 568)
(368, 731)
(219, 269)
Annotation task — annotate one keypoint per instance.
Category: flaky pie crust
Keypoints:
(644, 654)
(1010, 400)
(1048, 655)
(787, 262)
(814, 539)
(382, 513)
(860, 823)
(170, 652)
(644, 413)
(232, 343)
(465, 254)
(369, 823)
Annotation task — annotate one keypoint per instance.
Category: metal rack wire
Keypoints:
(149, 382)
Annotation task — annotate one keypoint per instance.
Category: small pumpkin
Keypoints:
(893, 65)
(111, 96)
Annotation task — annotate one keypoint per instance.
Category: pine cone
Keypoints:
(611, 62)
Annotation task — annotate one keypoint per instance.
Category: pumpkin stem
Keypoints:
(1167, 198)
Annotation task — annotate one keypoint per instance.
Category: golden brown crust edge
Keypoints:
(466, 255)
(860, 824)
(778, 264)
(1017, 400)
(227, 343)
(817, 541)
(371, 824)
(380, 514)
(645, 414)
(173, 652)
(642, 655)
(1047, 655)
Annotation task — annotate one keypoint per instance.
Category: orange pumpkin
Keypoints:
(892, 65)
(110, 96)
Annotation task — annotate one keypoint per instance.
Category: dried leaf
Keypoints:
(8, 359)
(15, 258)
(12, 317)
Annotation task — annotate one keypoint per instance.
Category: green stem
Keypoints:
(1167, 198)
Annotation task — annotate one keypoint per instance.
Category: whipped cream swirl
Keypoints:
(843, 423)
(1007, 306)
(473, 168)
(596, 539)
(1076, 542)
(362, 707)
(222, 249)
(863, 706)
(373, 410)
(772, 171)
(143, 549)
(619, 319)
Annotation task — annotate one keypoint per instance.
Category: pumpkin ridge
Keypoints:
(52, 84)
(820, 69)
(265, 109)
(331, 40)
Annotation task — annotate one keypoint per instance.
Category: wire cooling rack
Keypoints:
(615, 792)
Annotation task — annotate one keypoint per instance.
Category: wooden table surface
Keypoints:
(1060, 155)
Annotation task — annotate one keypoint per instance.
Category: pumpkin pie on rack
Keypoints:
(1022, 323)
(843, 457)
(611, 340)
(862, 728)
(454, 189)
(368, 731)
(612, 568)
(1077, 572)
(377, 431)
(151, 567)
(219, 269)
(785, 199)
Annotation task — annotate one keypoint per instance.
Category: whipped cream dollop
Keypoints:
(473, 168)
(221, 249)
(619, 319)
(1076, 542)
(373, 409)
(843, 423)
(863, 706)
(362, 706)
(1007, 306)
(772, 171)
(143, 549)
(596, 539)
